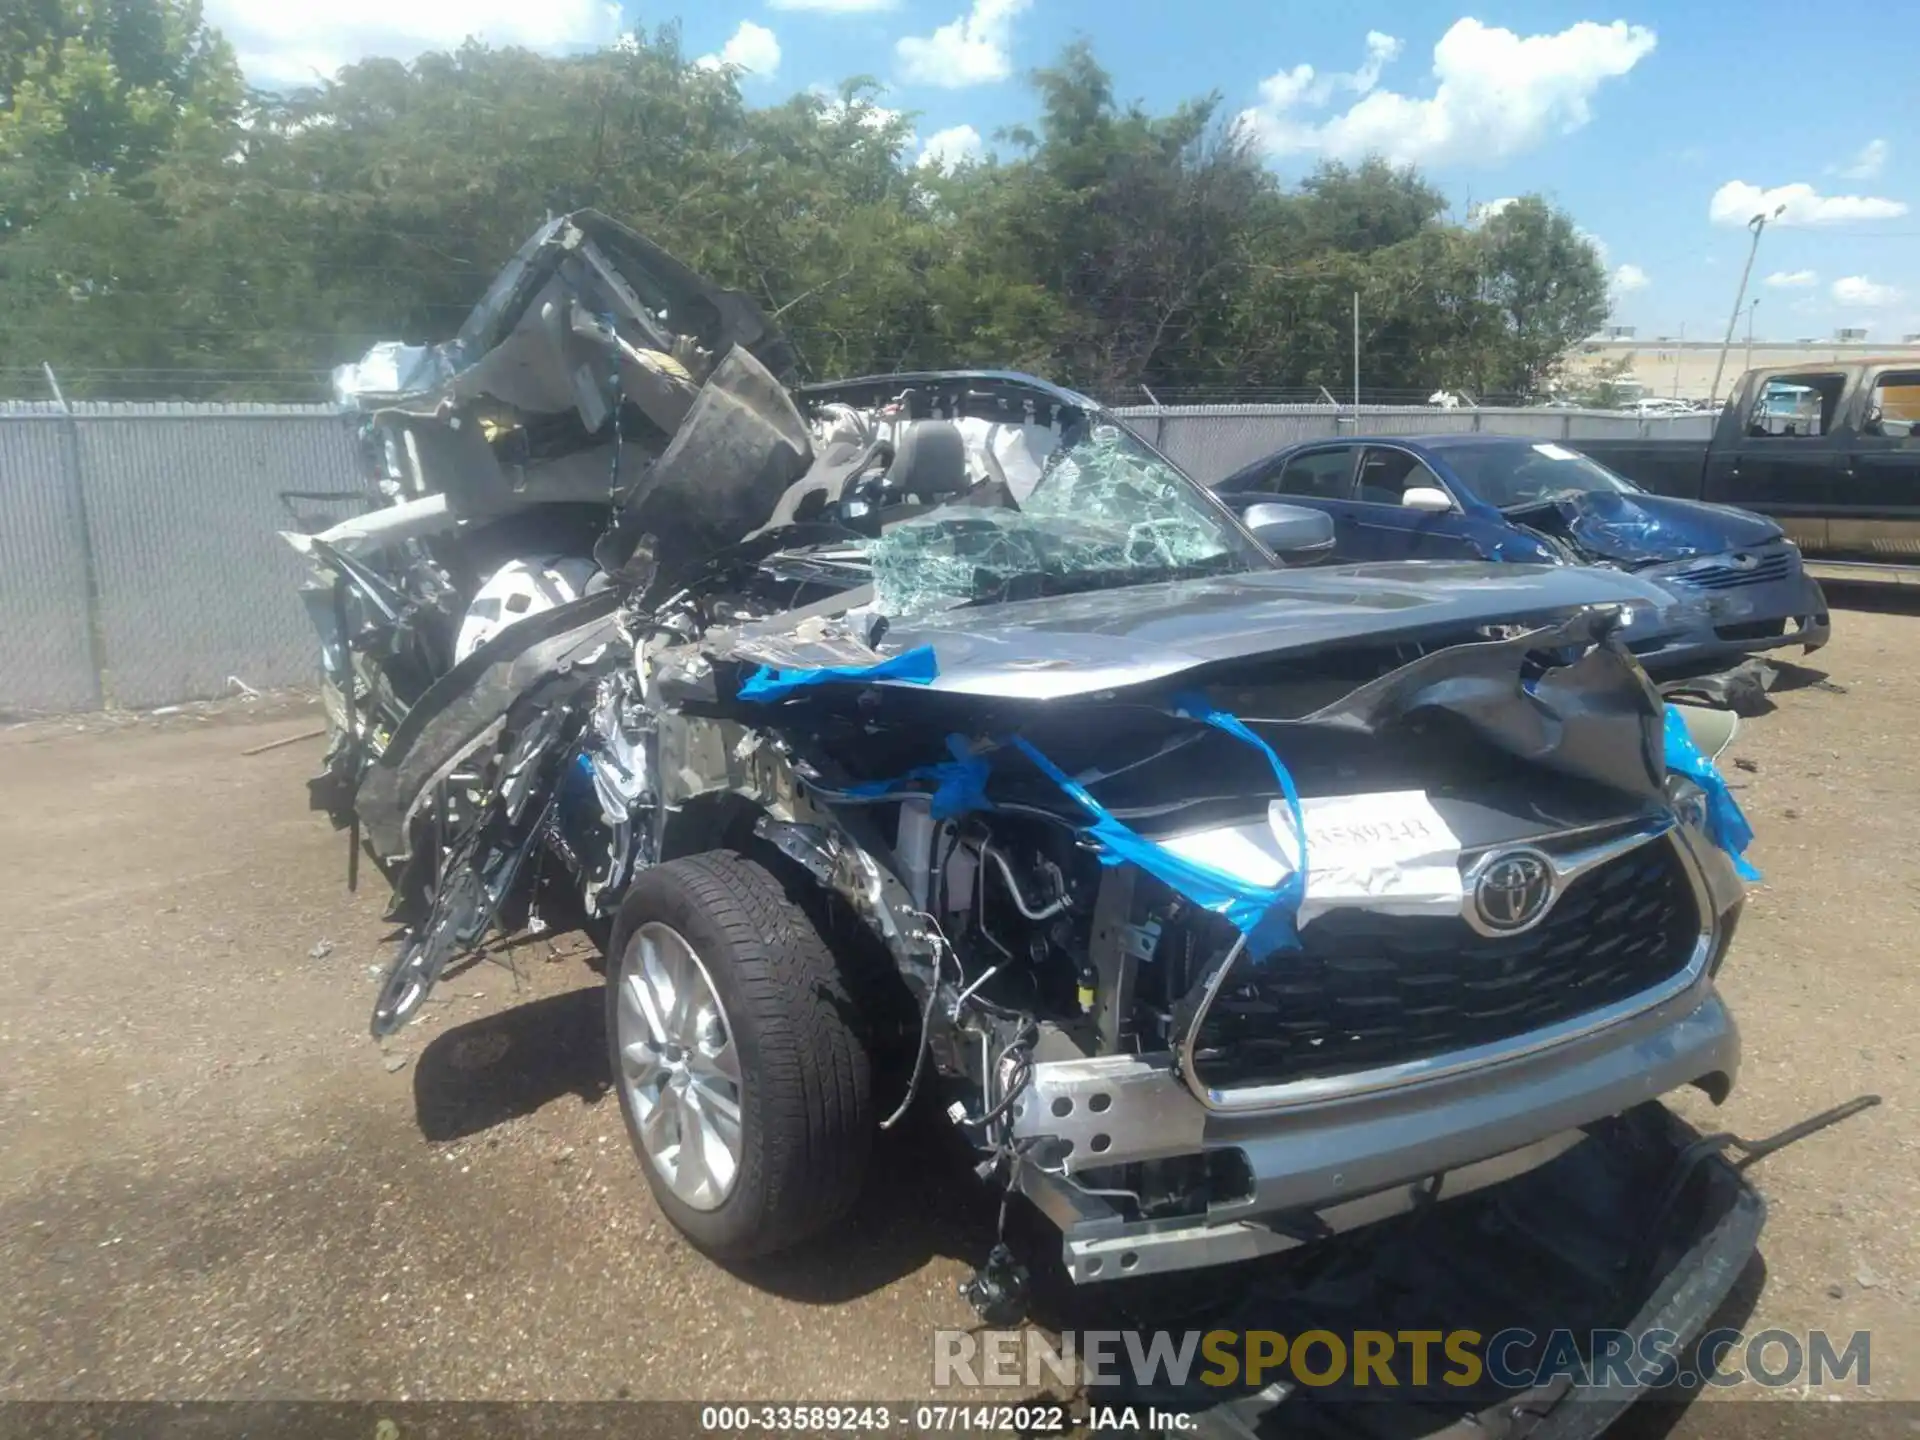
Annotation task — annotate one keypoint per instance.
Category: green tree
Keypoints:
(96, 93)
(167, 233)
(1137, 224)
(1366, 207)
(1547, 283)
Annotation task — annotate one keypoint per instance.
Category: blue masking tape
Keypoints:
(960, 784)
(916, 666)
(1266, 915)
(1726, 826)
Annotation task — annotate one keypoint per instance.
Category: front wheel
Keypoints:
(736, 1056)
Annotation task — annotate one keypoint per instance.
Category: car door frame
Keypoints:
(1796, 480)
(1868, 515)
(1266, 473)
(1409, 532)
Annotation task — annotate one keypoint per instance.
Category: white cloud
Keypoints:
(833, 7)
(1487, 209)
(753, 48)
(1737, 202)
(1629, 278)
(1791, 279)
(1871, 160)
(972, 50)
(1302, 86)
(1497, 94)
(833, 109)
(284, 45)
(1859, 290)
(953, 146)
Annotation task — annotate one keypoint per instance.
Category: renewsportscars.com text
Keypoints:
(1515, 1359)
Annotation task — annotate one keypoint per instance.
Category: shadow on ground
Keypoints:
(921, 1199)
(1880, 599)
(502, 1066)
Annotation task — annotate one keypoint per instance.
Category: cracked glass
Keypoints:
(1107, 512)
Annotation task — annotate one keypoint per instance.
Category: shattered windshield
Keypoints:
(1506, 476)
(1107, 511)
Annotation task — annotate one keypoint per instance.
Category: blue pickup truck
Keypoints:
(1738, 580)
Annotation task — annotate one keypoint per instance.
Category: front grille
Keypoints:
(1767, 568)
(1369, 990)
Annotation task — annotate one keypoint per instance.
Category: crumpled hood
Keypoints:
(1071, 645)
(1645, 529)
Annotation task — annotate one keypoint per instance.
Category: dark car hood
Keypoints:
(1645, 529)
(1077, 645)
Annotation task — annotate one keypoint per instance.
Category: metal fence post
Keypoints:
(83, 541)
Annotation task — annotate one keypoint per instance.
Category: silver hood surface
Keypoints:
(1075, 645)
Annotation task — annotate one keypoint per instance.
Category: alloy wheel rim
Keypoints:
(679, 1067)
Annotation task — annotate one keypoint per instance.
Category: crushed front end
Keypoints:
(1224, 908)
(1510, 922)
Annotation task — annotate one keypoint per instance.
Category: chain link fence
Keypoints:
(139, 563)
(139, 560)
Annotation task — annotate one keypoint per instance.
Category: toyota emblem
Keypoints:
(1513, 891)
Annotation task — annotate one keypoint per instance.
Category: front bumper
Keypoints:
(1322, 1162)
(1719, 623)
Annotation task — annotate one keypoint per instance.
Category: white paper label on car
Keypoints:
(1392, 852)
(1555, 452)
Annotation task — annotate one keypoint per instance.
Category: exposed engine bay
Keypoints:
(1160, 864)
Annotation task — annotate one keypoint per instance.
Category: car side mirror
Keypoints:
(1429, 498)
(1291, 530)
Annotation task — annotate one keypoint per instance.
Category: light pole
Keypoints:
(1757, 224)
(1752, 305)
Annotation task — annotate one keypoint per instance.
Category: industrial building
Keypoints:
(1672, 367)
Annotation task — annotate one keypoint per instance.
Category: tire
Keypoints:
(803, 1088)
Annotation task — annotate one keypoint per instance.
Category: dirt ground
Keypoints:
(214, 1185)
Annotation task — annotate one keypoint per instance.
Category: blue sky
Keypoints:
(1660, 126)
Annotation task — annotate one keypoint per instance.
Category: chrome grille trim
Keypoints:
(1294, 1094)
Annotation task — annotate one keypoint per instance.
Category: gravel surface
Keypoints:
(214, 1185)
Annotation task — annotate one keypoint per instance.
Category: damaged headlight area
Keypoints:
(1221, 906)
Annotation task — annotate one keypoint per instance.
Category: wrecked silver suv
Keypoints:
(938, 720)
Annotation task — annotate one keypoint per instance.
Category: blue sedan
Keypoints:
(1737, 580)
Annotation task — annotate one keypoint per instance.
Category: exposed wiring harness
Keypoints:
(941, 950)
(1020, 1048)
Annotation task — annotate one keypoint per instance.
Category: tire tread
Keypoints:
(815, 1105)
